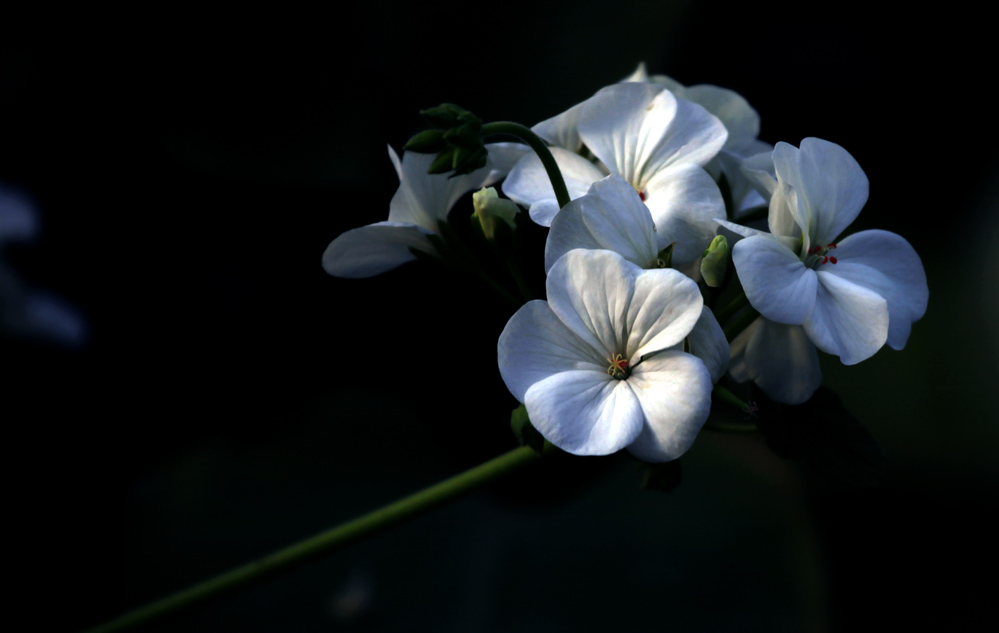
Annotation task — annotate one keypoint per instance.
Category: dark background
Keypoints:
(189, 170)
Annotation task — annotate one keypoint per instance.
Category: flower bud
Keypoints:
(427, 142)
(443, 163)
(490, 210)
(714, 261)
(444, 116)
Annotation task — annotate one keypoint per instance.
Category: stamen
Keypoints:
(641, 194)
(832, 259)
(825, 259)
(832, 246)
(618, 367)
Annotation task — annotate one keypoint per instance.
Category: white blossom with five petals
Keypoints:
(600, 366)
(641, 132)
(743, 125)
(846, 297)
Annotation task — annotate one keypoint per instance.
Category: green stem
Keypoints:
(330, 540)
(540, 148)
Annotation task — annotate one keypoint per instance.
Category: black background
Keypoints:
(190, 168)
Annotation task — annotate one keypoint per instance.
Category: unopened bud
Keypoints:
(443, 163)
(426, 142)
(714, 261)
(490, 210)
(444, 116)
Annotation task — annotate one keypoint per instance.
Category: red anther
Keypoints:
(832, 246)
(623, 364)
(832, 259)
(641, 194)
(825, 259)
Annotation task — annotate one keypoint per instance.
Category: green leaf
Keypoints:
(526, 434)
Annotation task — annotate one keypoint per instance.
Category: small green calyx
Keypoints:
(456, 139)
(491, 211)
(665, 257)
(714, 261)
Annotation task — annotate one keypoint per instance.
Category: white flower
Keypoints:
(420, 202)
(611, 216)
(850, 297)
(779, 358)
(739, 118)
(598, 365)
(639, 131)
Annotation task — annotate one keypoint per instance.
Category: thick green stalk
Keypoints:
(539, 147)
(330, 540)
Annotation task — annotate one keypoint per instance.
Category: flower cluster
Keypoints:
(661, 180)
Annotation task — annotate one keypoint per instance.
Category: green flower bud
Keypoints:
(465, 135)
(443, 163)
(714, 261)
(490, 210)
(427, 142)
(444, 116)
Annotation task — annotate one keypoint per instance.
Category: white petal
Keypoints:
(561, 130)
(848, 320)
(784, 218)
(623, 125)
(640, 74)
(694, 136)
(543, 212)
(708, 342)
(502, 157)
(423, 199)
(776, 282)
(568, 232)
(374, 249)
(735, 113)
(590, 291)
(528, 182)
(885, 263)
(674, 390)
(685, 202)
(536, 345)
(585, 412)
(831, 186)
(664, 308)
(780, 359)
(760, 173)
(611, 216)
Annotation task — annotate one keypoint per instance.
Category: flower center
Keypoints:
(618, 367)
(817, 256)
